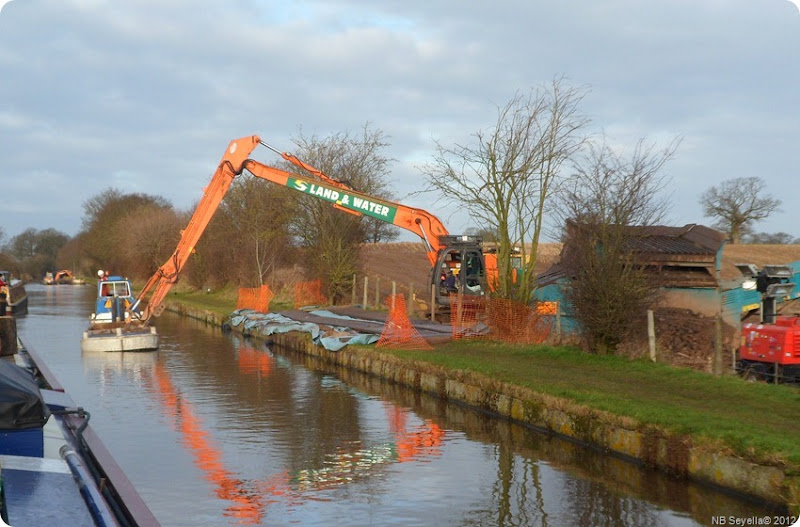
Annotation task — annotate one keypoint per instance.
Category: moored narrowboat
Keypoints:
(54, 468)
(13, 297)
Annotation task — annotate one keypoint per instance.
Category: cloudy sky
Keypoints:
(145, 95)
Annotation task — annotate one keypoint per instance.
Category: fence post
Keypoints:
(377, 292)
(394, 292)
(409, 304)
(459, 312)
(651, 334)
(718, 345)
(354, 290)
(558, 319)
(366, 285)
(433, 302)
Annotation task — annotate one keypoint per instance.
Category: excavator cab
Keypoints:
(463, 256)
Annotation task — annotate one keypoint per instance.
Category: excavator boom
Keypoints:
(167, 275)
(340, 194)
(422, 223)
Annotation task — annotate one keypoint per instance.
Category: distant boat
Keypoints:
(64, 277)
(115, 325)
(13, 297)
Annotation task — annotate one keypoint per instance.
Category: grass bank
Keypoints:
(755, 421)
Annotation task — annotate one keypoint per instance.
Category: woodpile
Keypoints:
(687, 338)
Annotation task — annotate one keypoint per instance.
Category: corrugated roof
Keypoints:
(681, 256)
(687, 240)
(666, 245)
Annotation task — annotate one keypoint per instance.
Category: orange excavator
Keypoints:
(461, 254)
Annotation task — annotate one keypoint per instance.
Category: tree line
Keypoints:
(538, 163)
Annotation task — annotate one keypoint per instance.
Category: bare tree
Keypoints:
(506, 177)
(602, 206)
(150, 239)
(356, 160)
(737, 204)
(103, 214)
(777, 238)
(257, 215)
(36, 250)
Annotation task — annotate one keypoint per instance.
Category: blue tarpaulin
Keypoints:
(251, 322)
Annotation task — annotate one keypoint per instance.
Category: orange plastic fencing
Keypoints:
(518, 323)
(255, 298)
(468, 317)
(398, 332)
(309, 294)
(498, 319)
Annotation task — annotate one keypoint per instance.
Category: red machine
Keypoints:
(770, 349)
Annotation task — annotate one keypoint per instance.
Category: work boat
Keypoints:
(115, 323)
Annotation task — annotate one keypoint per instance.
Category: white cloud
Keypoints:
(154, 91)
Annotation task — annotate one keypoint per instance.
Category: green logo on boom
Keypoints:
(349, 201)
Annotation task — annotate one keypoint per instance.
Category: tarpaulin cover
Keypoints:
(21, 403)
(267, 324)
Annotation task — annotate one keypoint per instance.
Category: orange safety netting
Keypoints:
(519, 323)
(468, 316)
(309, 294)
(398, 332)
(499, 319)
(255, 298)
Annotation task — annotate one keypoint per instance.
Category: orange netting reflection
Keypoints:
(309, 294)
(398, 332)
(253, 361)
(413, 445)
(499, 319)
(255, 298)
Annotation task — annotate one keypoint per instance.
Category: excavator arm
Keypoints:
(340, 194)
(167, 275)
(422, 223)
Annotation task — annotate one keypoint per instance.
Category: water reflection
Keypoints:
(349, 462)
(213, 429)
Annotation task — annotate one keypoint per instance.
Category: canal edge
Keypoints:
(673, 454)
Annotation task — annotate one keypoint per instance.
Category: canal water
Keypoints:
(216, 430)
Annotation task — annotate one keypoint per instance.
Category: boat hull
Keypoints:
(14, 300)
(77, 479)
(120, 339)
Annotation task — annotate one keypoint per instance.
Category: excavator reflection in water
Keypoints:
(250, 498)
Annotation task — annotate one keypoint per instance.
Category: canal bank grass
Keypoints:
(221, 302)
(754, 420)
